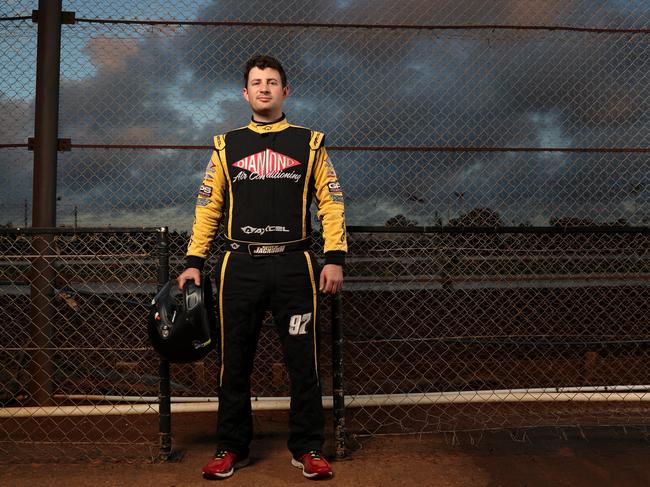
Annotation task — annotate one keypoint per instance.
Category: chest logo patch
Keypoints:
(266, 163)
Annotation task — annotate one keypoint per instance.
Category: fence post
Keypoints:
(46, 116)
(46, 120)
(42, 279)
(164, 395)
(338, 396)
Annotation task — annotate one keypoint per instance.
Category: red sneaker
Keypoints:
(223, 465)
(313, 464)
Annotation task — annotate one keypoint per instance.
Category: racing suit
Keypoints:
(259, 183)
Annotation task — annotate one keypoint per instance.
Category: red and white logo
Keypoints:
(266, 163)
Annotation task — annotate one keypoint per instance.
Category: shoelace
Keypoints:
(315, 454)
(220, 454)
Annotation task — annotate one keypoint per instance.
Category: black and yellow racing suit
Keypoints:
(261, 180)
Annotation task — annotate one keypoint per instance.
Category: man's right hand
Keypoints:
(189, 274)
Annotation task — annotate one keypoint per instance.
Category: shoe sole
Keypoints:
(316, 475)
(225, 475)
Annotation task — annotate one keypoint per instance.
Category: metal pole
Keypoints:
(164, 395)
(338, 397)
(48, 61)
(44, 195)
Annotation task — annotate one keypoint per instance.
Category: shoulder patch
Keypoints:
(219, 142)
(317, 139)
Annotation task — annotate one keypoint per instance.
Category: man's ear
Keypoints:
(285, 91)
(245, 94)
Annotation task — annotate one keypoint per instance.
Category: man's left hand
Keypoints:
(331, 279)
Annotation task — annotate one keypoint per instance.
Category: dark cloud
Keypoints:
(375, 87)
(16, 125)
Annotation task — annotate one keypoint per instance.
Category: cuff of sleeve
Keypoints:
(335, 257)
(194, 261)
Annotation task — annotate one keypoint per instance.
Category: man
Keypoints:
(260, 181)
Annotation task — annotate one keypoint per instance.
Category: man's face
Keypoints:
(264, 92)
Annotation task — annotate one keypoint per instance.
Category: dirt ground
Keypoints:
(539, 457)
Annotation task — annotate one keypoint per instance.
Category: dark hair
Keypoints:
(263, 62)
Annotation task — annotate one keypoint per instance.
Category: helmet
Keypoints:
(182, 324)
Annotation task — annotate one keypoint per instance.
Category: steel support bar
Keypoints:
(164, 396)
(338, 397)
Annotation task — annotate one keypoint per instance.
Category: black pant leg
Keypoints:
(242, 304)
(295, 309)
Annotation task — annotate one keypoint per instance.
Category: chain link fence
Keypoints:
(74, 344)
(79, 377)
(518, 117)
(580, 13)
(515, 327)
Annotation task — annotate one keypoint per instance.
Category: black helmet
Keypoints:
(182, 326)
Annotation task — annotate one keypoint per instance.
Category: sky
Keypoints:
(363, 87)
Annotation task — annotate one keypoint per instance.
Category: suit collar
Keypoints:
(266, 127)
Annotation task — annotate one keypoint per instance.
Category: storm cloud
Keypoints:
(180, 85)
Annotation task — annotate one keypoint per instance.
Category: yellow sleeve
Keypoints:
(209, 209)
(331, 210)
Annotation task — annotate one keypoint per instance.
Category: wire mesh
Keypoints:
(435, 320)
(17, 8)
(437, 113)
(128, 187)
(144, 187)
(494, 189)
(16, 172)
(411, 12)
(181, 84)
(17, 80)
(77, 303)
